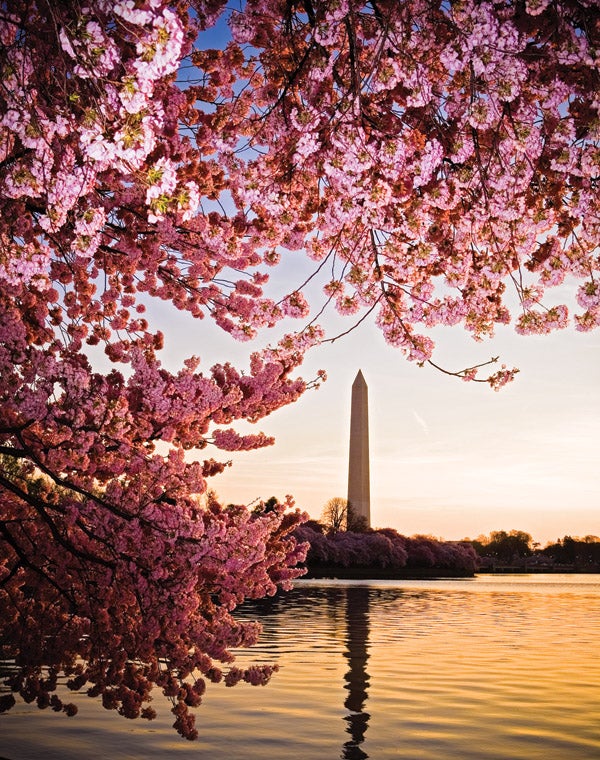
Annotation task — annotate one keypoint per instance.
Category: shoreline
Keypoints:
(317, 572)
(383, 573)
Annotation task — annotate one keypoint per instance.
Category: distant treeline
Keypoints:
(518, 548)
(386, 549)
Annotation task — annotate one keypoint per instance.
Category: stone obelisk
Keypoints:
(359, 498)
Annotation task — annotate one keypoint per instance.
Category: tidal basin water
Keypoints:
(496, 667)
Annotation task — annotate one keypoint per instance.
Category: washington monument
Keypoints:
(359, 498)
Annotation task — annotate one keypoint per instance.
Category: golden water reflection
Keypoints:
(488, 669)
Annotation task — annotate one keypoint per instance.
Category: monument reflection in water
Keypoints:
(357, 677)
(347, 610)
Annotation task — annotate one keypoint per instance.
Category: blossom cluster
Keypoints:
(107, 118)
(444, 154)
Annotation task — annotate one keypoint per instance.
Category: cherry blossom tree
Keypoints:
(115, 567)
(437, 161)
(384, 548)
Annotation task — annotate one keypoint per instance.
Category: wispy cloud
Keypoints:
(421, 422)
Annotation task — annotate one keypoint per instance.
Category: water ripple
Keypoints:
(489, 669)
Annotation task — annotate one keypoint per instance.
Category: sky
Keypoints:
(447, 458)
